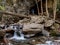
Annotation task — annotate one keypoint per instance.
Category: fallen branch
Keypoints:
(14, 14)
(8, 30)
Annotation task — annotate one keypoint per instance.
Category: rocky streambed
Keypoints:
(34, 31)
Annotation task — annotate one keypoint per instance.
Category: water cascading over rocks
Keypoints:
(17, 28)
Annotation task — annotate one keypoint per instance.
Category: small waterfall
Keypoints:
(16, 37)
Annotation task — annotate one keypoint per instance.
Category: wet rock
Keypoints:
(26, 42)
(29, 35)
(45, 33)
(35, 41)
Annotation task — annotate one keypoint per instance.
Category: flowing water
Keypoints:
(16, 37)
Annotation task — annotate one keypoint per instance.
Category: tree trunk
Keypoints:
(37, 6)
(41, 8)
(54, 8)
(47, 9)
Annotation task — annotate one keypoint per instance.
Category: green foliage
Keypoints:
(58, 4)
(2, 8)
(2, 5)
(0, 0)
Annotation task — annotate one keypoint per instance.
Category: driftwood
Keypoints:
(31, 31)
(14, 14)
(3, 30)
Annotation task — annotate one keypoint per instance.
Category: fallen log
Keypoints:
(31, 31)
(4, 31)
(14, 14)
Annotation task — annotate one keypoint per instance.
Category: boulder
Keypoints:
(49, 23)
(33, 27)
(37, 19)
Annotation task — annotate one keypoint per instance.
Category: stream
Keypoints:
(15, 36)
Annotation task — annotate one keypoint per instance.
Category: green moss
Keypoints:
(53, 33)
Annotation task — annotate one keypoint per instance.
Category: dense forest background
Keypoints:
(20, 6)
(44, 14)
(58, 4)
